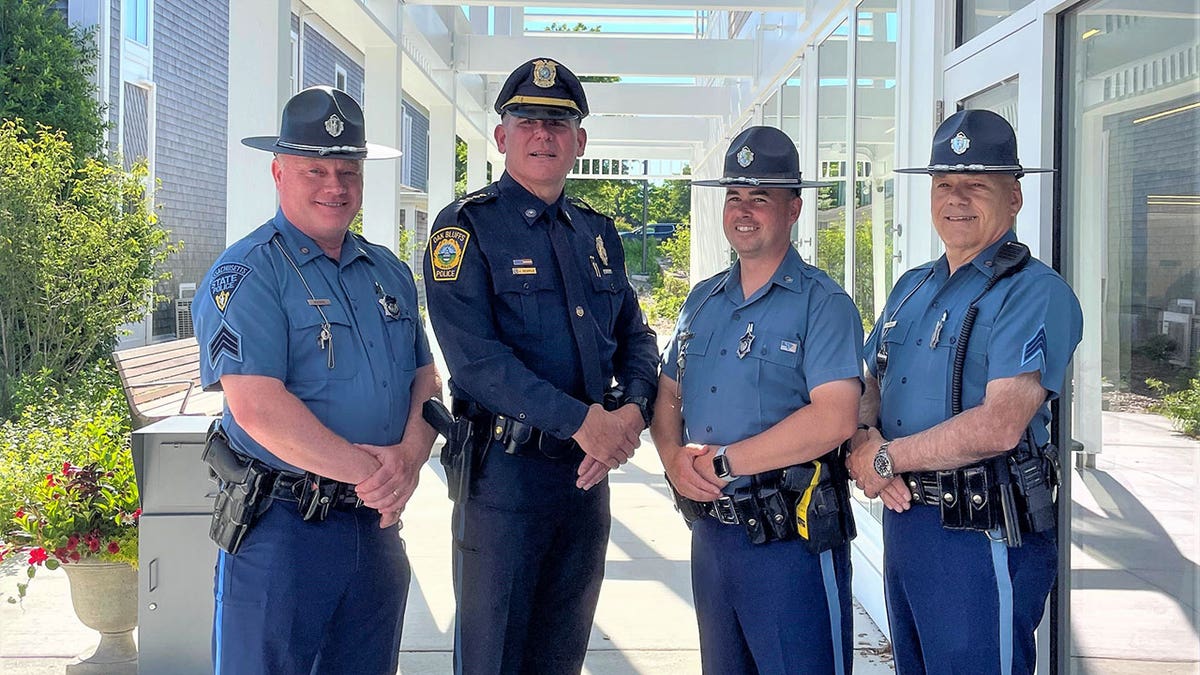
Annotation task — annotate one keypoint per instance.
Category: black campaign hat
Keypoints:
(542, 89)
(322, 122)
(974, 141)
(761, 157)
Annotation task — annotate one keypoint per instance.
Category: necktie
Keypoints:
(577, 305)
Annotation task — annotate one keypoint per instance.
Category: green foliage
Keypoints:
(65, 463)
(633, 257)
(621, 199)
(831, 257)
(46, 71)
(1181, 407)
(460, 167)
(79, 250)
(1157, 348)
(666, 299)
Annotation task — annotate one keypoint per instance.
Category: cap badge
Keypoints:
(601, 251)
(745, 156)
(334, 125)
(544, 73)
(960, 143)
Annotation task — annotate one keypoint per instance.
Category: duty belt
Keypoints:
(289, 487)
(518, 438)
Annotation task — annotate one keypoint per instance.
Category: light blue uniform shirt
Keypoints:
(1028, 322)
(806, 332)
(253, 316)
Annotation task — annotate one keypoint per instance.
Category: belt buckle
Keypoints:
(724, 512)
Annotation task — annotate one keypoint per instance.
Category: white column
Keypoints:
(477, 154)
(381, 112)
(441, 158)
(260, 65)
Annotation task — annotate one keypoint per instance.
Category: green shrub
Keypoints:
(1157, 348)
(1181, 407)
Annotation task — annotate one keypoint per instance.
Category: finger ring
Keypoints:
(396, 493)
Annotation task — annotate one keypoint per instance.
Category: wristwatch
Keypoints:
(643, 405)
(883, 461)
(721, 465)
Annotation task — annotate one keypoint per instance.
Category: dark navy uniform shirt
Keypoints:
(1028, 322)
(807, 332)
(500, 313)
(253, 316)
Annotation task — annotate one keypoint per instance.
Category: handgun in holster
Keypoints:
(690, 509)
(244, 486)
(458, 455)
(1035, 476)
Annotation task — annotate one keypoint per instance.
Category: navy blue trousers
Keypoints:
(528, 563)
(770, 608)
(311, 597)
(959, 603)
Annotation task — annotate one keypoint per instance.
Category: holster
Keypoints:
(459, 454)
(1035, 480)
(822, 514)
(244, 487)
(690, 509)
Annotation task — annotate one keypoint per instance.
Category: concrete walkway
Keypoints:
(645, 622)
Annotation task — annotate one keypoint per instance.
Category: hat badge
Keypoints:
(334, 125)
(745, 156)
(960, 143)
(544, 73)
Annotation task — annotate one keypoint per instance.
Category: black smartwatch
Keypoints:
(643, 405)
(721, 465)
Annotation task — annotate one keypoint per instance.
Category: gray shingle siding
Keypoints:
(191, 66)
(418, 147)
(320, 58)
(114, 74)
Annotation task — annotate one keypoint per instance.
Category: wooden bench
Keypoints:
(163, 379)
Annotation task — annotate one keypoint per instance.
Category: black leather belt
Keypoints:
(924, 488)
(518, 438)
(288, 486)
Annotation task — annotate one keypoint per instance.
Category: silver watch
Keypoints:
(883, 461)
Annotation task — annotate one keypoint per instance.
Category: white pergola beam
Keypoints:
(646, 130)
(631, 57)
(629, 151)
(705, 5)
(615, 98)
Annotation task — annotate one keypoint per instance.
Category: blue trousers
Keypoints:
(770, 608)
(528, 563)
(959, 603)
(311, 597)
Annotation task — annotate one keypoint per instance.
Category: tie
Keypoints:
(577, 307)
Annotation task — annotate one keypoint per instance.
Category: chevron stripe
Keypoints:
(1035, 347)
(226, 342)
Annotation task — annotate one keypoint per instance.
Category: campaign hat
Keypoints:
(542, 89)
(974, 141)
(761, 157)
(322, 122)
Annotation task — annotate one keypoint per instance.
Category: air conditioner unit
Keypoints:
(183, 311)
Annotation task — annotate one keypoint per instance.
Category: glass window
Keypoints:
(1131, 227)
(137, 20)
(832, 78)
(1000, 99)
(791, 105)
(976, 16)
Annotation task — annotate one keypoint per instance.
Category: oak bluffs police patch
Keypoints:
(446, 247)
(225, 281)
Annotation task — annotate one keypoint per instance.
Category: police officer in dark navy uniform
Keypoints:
(964, 360)
(532, 308)
(759, 388)
(314, 336)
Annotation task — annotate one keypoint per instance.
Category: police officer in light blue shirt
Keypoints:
(550, 356)
(313, 334)
(964, 360)
(761, 382)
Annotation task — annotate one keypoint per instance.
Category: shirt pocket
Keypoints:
(307, 360)
(522, 295)
(890, 343)
(402, 338)
(776, 349)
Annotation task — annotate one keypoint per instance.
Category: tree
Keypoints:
(79, 249)
(46, 71)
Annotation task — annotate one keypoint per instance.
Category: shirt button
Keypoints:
(384, 384)
(713, 390)
(918, 340)
(579, 311)
(899, 423)
(521, 416)
(787, 278)
(526, 285)
(737, 315)
(953, 340)
(708, 429)
(904, 380)
(304, 249)
(529, 213)
(723, 351)
(370, 343)
(935, 303)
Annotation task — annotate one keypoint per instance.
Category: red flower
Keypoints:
(113, 547)
(19, 514)
(50, 480)
(72, 542)
(38, 556)
(74, 556)
(66, 468)
(137, 514)
(93, 545)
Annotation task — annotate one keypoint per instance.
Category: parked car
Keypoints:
(659, 231)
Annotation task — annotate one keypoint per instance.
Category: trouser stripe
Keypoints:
(833, 599)
(1004, 594)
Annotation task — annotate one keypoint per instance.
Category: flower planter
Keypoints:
(104, 595)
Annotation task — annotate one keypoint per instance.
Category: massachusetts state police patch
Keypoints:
(446, 248)
(225, 281)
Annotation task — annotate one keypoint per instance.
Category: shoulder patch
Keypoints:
(446, 248)
(225, 281)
